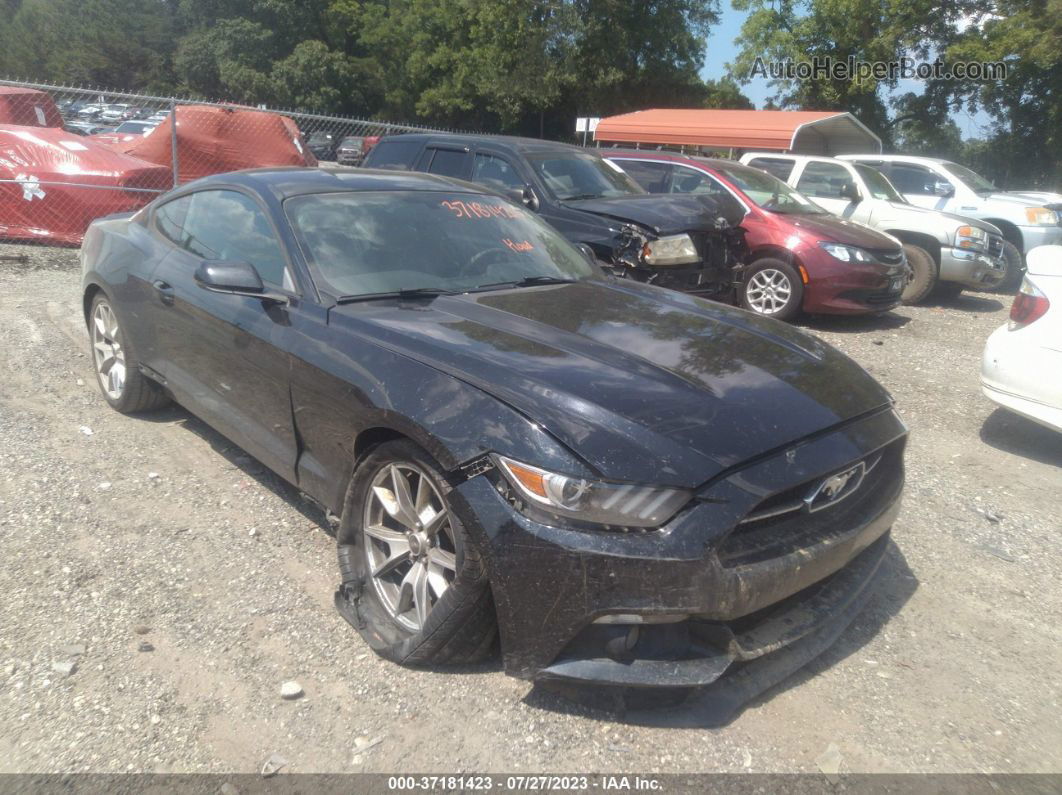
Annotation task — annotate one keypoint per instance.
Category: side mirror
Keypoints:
(235, 278)
(588, 252)
(851, 192)
(944, 188)
(525, 196)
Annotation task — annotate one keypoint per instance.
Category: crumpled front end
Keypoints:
(770, 562)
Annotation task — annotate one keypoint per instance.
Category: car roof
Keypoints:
(511, 142)
(673, 157)
(286, 181)
(897, 158)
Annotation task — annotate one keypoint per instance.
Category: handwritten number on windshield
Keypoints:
(472, 210)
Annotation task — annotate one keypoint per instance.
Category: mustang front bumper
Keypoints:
(743, 583)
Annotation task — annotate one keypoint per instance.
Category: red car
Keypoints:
(802, 258)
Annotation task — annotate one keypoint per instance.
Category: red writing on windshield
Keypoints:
(462, 209)
(521, 245)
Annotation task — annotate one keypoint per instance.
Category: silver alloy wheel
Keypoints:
(768, 291)
(409, 543)
(107, 351)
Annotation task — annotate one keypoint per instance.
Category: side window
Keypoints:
(495, 171)
(651, 176)
(778, 166)
(169, 219)
(448, 162)
(825, 181)
(909, 178)
(689, 180)
(397, 155)
(227, 225)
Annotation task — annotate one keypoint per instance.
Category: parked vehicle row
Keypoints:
(944, 252)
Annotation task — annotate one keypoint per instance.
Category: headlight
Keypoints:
(970, 237)
(846, 253)
(594, 502)
(1041, 216)
(671, 250)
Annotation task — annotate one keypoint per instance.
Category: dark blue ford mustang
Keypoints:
(631, 486)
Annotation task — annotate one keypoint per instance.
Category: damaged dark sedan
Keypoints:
(623, 485)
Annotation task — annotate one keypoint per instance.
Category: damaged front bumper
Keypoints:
(740, 588)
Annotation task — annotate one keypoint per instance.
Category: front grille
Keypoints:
(995, 246)
(890, 256)
(782, 524)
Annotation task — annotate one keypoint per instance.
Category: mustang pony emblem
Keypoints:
(835, 488)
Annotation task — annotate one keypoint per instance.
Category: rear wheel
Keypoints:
(772, 288)
(921, 274)
(422, 594)
(117, 367)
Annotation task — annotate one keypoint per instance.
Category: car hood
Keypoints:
(1028, 198)
(829, 227)
(665, 214)
(641, 383)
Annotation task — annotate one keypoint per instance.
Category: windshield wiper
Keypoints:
(527, 281)
(581, 196)
(409, 292)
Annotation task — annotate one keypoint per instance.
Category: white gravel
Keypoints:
(158, 531)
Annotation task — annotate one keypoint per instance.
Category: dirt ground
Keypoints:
(187, 584)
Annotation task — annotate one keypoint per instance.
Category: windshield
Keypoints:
(133, 127)
(768, 192)
(878, 185)
(581, 175)
(971, 178)
(376, 242)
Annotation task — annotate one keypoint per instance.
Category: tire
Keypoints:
(922, 276)
(1015, 268)
(458, 623)
(947, 291)
(772, 288)
(128, 391)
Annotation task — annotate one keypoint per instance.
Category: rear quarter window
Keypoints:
(396, 155)
(774, 165)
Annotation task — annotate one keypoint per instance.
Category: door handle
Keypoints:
(165, 291)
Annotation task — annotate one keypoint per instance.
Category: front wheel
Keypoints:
(419, 584)
(772, 288)
(921, 275)
(1015, 268)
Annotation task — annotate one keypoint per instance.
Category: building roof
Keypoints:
(804, 132)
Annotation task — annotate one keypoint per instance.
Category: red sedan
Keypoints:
(802, 258)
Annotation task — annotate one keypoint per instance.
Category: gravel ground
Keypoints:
(186, 585)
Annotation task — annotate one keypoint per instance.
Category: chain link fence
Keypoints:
(70, 155)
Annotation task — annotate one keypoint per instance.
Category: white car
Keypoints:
(1021, 369)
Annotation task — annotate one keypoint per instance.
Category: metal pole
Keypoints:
(173, 144)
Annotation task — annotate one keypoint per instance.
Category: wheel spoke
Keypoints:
(101, 327)
(437, 581)
(421, 599)
(387, 535)
(403, 499)
(432, 526)
(443, 559)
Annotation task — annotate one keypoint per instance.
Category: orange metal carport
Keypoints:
(805, 132)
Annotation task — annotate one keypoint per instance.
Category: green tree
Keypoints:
(725, 93)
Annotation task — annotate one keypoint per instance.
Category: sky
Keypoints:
(721, 49)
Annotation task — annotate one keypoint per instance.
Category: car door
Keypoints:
(224, 356)
(496, 171)
(828, 185)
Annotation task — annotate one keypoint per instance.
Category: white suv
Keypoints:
(1027, 218)
(944, 251)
